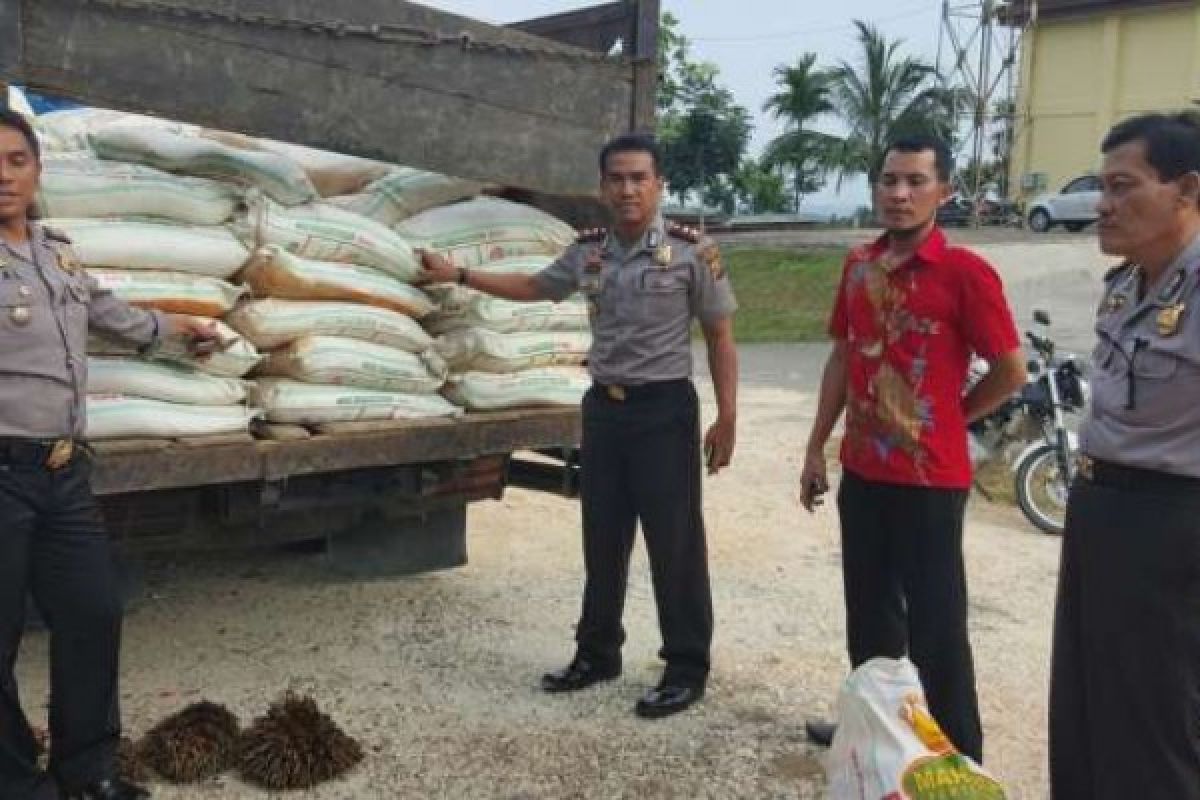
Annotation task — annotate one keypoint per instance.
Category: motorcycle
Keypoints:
(1036, 416)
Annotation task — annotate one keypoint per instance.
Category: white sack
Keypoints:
(476, 349)
(270, 323)
(353, 362)
(278, 177)
(549, 386)
(157, 380)
(119, 417)
(135, 245)
(273, 272)
(405, 192)
(86, 187)
(327, 233)
(487, 229)
(288, 401)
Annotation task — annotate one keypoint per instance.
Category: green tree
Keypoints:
(884, 96)
(760, 189)
(806, 155)
(702, 130)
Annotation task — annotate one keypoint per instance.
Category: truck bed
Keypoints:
(154, 465)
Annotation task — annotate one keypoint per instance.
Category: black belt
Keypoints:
(1119, 476)
(620, 393)
(50, 453)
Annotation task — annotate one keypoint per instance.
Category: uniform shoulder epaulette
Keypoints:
(56, 234)
(1117, 271)
(591, 235)
(684, 232)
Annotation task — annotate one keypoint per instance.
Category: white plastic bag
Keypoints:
(889, 747)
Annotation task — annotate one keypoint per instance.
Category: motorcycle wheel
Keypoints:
(1041, 490)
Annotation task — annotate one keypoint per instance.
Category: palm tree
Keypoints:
(885, 96)
(804, 96)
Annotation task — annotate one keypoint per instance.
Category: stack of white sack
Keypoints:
(505, 355)
(175, 268)
(157, 240)
(333, 307)
(130, 397)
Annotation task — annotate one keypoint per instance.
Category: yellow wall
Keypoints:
(1081, 75)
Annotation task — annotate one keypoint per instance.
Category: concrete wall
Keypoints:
(1082, 74)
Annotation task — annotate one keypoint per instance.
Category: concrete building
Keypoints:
(1087, 64)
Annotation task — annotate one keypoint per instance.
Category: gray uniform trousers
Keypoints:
(1125, 681)
(53, 545)
(641, 460)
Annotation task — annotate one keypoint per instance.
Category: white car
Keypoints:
(1074, 207)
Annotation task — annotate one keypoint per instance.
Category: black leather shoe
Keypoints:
(820, 732)
(664, 701)
(579, 674)
(108, 789)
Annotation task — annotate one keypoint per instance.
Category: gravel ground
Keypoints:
(437, 674)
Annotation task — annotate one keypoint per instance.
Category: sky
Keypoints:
(747, 39)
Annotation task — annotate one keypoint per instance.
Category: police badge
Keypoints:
(1168, 319)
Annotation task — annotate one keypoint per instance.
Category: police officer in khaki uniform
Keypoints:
(52, 540)
(645, 281)
(1125, 682)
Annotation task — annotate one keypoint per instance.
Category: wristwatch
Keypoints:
(462, 276)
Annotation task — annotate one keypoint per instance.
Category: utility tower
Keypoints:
(979, 55)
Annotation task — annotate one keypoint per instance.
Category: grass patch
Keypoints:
(783, 295)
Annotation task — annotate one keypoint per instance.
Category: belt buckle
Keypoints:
(615, 392)
(1085, 467)
(60, 454)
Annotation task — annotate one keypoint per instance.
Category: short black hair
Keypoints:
(632, 143)
(918, 143)
(15, 121)
(1172, 141)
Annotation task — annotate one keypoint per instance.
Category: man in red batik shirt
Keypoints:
(910, 311)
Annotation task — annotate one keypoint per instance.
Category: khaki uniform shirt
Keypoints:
(642, 300)
(47, 303)
(1146, 378)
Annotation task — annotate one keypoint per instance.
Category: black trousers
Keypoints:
(641, 461)
(906, 593)
(53, 545)
(1125, 676)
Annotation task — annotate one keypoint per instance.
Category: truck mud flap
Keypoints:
(554, 470)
